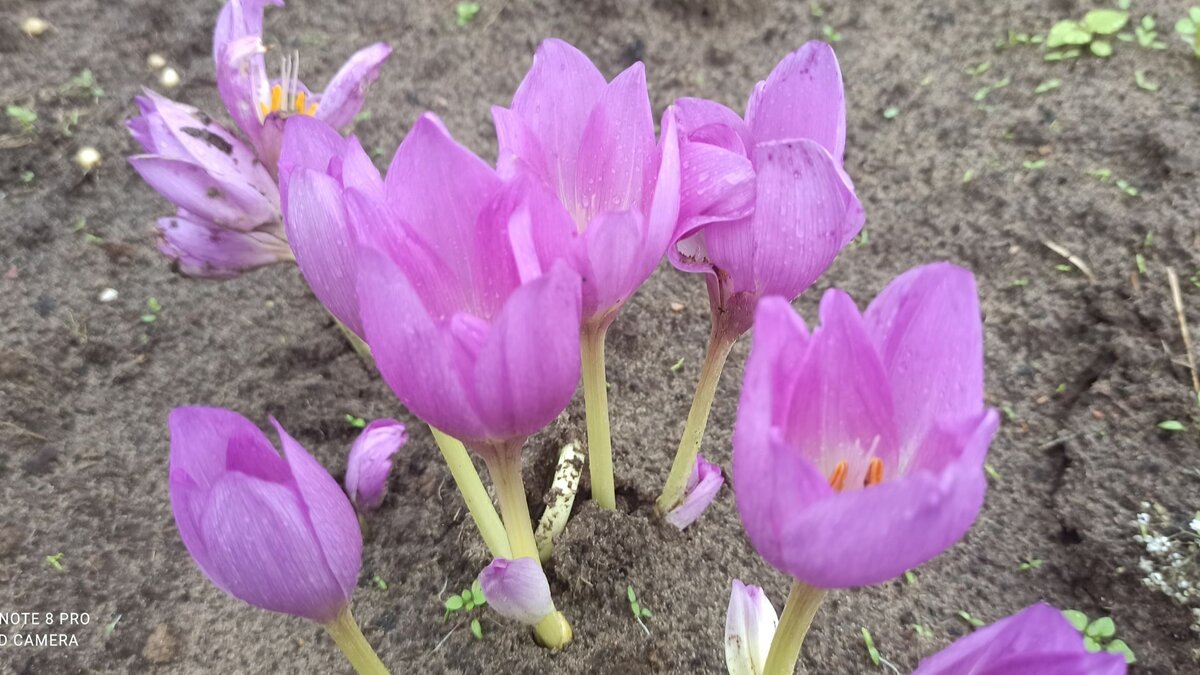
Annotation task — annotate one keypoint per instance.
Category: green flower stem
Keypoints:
(798, 613)
(504, 464)
(344, 631)
(595, 400)
(720, 342)
(479, 504)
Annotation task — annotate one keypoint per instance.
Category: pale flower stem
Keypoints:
(802, 605)
(345, 632)
(595, 399)
(719, 345)
(479, 503)
(504, 464)
(359, 345)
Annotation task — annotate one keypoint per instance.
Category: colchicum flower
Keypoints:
(591, 143)
(370, 462)
(469, 309)
(228, 219)
(859, 447)
(749, 626)
(275, 532)
(765, 207)
(1038, 639)
(702, 487)
(517, 590)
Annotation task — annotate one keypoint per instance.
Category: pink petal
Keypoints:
(555, 101)
(242, 83)
(520, 151)
(225, 201)
(664, 190)
(718, 185)
(750, 624)
(203, 250)
(517, 589)
(608, 256)
(708, 122)
(802, 98)
(702, 487)
(528, 369)
(344, 95)
(617, 149)
(927, 328)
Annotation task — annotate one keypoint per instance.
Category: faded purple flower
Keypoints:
(275, 532)
(1035, 641)
(591, 143)
(702, 487)
(228, 220)
(765, 205)
(859, 447)
(370, 462)
(517, 589)
(749, 628)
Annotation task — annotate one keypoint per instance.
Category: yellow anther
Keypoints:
(300, 97)
(837, 481)
(874, 472)
(312, 110)
(263, 109)
(276, 97)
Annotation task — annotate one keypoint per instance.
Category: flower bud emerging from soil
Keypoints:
(370, 462)
(1038, 639)
(749, 627)
(275, 532)
(859, 446)
(702, 487)
(517, 590)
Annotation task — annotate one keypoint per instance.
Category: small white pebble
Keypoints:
(1143, 518)
(169, 78)
(156, 61)
(1195, 524)
(87, 158)
(34, 26)
(107, 295)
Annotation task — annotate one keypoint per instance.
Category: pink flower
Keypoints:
(370, 462)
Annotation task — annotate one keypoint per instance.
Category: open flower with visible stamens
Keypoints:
(228, 219)
(859, 446)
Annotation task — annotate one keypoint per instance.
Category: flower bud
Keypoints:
(517, 589)
(370, 462)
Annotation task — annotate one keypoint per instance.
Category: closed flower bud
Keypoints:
(370, 462)
(517, 589)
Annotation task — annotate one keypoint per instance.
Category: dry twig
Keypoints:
(1177, 299)
(1071, 258)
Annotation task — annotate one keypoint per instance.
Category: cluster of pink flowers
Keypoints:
(859, 445)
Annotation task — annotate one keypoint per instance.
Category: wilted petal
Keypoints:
(1038, 640)
(702, 487)
(802, 98)
(204, 250)
(555, 101)
(617, 149)
(225, 201)
(345, 93)
(749, 628)
(928, 329)
(370, 462)
(528, 368)
(517, 589)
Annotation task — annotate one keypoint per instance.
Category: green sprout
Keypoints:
(84, 83)
(154, 307)
(991, 472)
(1139, 76)
(1147, 36)
(1070, 36)
(870, 643)
(830, 34)
(1171, 425)
(639, 612)
(677, 365)
(26, 117)
(1140, 261)
(111, 626)
(920, 630)
(975, 622)
(986, 89)
(1030, 564)
(890, 112)
(968, 175)
(379, 582)
(466, 600)
(356, 422)
(1186, 29)
(1048, 85)
(465, 12)
(979, 69)
(1099, 635)
(27, 176)
(1034, 164)
(55, 562)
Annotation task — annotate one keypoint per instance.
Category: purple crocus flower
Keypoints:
(591, 142)
(1036, 640)
(765, 205)
(702, 487)
(517, 590)
(749, 627)
(370, 462)
(859, 446)
(228, 218)
(275, 532)
(456, 274)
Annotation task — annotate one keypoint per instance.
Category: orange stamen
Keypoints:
(838, 480)
(874, 472)
(300, 97)
(312, 110)
(276, 97)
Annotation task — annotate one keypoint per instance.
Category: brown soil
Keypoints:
(85, 387)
